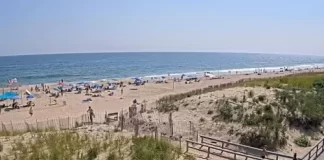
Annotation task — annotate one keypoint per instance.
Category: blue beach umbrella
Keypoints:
(30, 97)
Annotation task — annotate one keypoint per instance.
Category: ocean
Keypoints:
(35, 69)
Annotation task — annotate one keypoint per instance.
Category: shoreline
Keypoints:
(199, 74)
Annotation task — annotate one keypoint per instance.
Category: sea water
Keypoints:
(35, 69)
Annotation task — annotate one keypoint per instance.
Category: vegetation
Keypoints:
(303, 80)
(73, 145)
(251, 94)
(302, 141)
(299, 104)
(147, 148)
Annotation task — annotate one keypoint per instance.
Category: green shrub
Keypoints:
(166, 107)
(147, 148)
(202, 119)
(251, 94)
(302, 141)
(226, 112)
(234, 99)
(92, 153)
(210, 112)
(251, 120)
(262, 98)
(268, 109)
(244, 98)
(255, 100)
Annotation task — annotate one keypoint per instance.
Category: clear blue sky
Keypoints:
(61, 26)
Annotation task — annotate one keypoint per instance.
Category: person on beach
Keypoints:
(264, 152)
(295, 156)
(122, 91)
(90, 111)
(31, 110)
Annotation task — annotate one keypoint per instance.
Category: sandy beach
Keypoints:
(75, 107)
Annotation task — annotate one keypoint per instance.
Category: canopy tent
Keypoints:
(83, 82)
(8, 95)
(138, 81)
(97, 85)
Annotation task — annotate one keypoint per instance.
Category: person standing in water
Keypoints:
(90, 111)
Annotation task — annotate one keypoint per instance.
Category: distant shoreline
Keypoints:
(199, 74)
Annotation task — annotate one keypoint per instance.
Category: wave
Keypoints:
(239, 70)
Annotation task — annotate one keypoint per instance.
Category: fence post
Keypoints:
(48, 126)
(180, 141)
(59, 123)
(187, 147)
(12, 128)
(3, 127)
(122, 120)
(190, 128)
(197, 136)
(36, 125)
(171, 124)
(69, 122)
(156, 133)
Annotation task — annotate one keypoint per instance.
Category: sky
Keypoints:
(73, 26)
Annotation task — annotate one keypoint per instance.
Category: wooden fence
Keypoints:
(211, 150)
(54, 124)
(243, 148)
(315, 152)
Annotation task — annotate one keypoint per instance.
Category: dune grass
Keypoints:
(304, 80)
(66, 145)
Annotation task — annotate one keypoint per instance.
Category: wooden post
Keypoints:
(36, 125)
(197, 136)
(69, 122)
(59, 123)
(156, 133)
(171, 124)
(309, 154)
(122, 120)
(3, 127)
(173, 83)
(180, 138)
(190, 128)
(136, 127)
(47, 123)
(208, 152)
(12, 129)
(187, 147)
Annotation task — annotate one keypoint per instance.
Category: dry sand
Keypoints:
(74, 106)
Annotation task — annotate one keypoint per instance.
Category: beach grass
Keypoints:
(304, 80)
(67, 145)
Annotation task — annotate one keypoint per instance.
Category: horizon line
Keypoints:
(109, 52)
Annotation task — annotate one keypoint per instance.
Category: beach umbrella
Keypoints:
(30, 97)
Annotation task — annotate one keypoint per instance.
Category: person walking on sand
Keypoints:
(31, 110)
(122, 91)
(90, 111)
